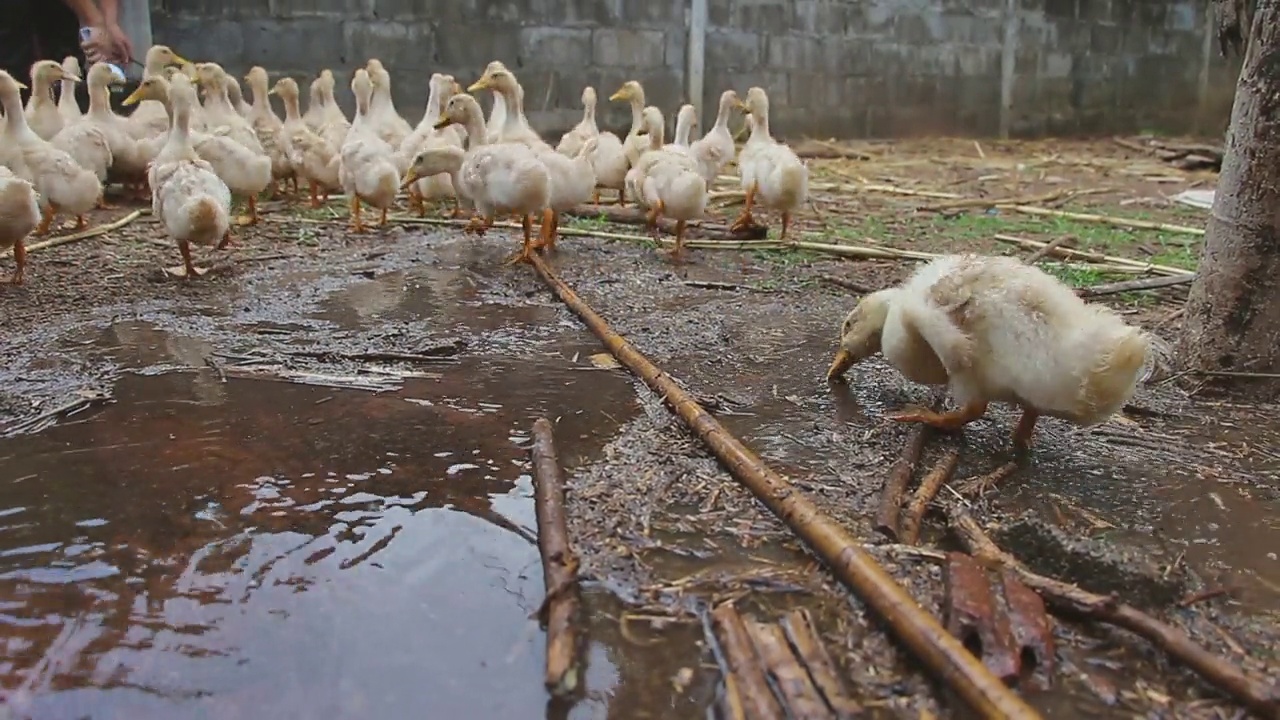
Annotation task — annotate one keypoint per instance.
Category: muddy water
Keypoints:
(255, 548)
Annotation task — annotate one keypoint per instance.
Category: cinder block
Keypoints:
(556, 47)
(338, 9)
(733, 49)
(616, 47)
(199, 39)
(474, 45)
(435, 11)
(660, 14)
(818, 54)
(400, 46)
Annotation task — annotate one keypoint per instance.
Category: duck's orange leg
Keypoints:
(677, 255)
(184, 247)
(382, 218)
(19, 261)
(357, 223)
(46, 219)
(315, 195)
(951, 420)
(745, 220)
(1026, 428)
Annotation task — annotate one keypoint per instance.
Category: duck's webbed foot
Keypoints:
(950, 420)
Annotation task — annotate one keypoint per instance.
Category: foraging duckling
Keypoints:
(42, 113)
(633, 93)
(68, 106)
(436, 163)
(310, 158)
(504, 178)
(188, 198)
(994, 329)
(716, 149)
(63, 185)
(387, 123)
(771, 172)
(368, 171)
(19, 215)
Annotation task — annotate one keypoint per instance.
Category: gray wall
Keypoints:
(845, 68)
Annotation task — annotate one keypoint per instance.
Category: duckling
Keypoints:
(42, 113)
(686, 123)
(235, 95)
(190, 200)
(572, 183)
(332, 125)
(498, 112)
(68, 107)
(994, 329)
(515, 127)
(221, 118)
(63, 185)
(636, 145)
(438, 184)
(127, 161)
(716, 149)
(266, 124)
(666, 180)
(19, 215)
(367, 170)
(150, 118)
(309, 156)
(497, 178)
(315, 101)
(388, 124)
(572, 141)
(769, 169)
(244, 172)
(434, 162)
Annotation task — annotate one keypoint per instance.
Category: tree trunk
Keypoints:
(1233, 313)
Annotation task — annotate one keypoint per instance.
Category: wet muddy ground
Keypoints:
(299, 487)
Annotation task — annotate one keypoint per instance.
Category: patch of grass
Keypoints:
(593, 224)
(1077, 275)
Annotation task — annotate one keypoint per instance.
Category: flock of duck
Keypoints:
(990, 328)
(197, 153)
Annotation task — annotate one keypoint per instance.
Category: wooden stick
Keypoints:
(997, 202)
(803, 637)
(1068, 254)
(1134, 285)
(85, 234)
(1049, 247)
(895, 487)
(928, 490)
(745, 668)
(1108, 220)
(798, 692)
(636, 216)
(1259, 696)
(921, 633)
(559, 564)
(858, 251)
(847, 284)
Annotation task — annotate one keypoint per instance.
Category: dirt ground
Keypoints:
(1178, 496)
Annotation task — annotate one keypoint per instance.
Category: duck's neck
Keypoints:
(180, 125)
(261, 102)
(475, 130)
(215, 97)
(722, 117)
(432, 113)
(291, 110)
(381, 100)
(362, 106)
(515, 108)
(152, 68)
(657, 138)
(589, 113)
(684, 126)
(99, 101)
(41, 92)
(637, 113)
(15, 122)
(498, 115)
(760, 124)
(68, 94)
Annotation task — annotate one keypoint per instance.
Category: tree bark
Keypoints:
(1233, 312)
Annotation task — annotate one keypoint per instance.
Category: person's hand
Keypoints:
(122, 47)
(97, 46)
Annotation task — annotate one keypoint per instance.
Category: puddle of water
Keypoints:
(281, 550)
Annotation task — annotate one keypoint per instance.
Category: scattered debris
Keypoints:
(973, 616)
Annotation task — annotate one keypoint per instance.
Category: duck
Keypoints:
(686, 124)
(666, 180)
(315, 100)
(367, 169)
(19, 215)
(716, 149)
(771, 172)
(150, 118)
(235, 96)
(41, 111)
(266, 124)
(387, 123)
(635, 144)
(497, 178)
(219, 116)
(994, 329)
(62, 184)
(68, 106)
(572, 141)
(244, 172)
(498, 111)
(515, 126)
(436, 163)
(87, 143)
(310, 158)
(127, 159)
(187, 196)
(332, 124)
(439, 184)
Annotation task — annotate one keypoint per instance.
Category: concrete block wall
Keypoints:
(843, 68)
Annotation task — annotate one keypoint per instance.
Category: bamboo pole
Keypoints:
(1107, 220)
(745, 669)
(84, 234)
(559, 564)
(919, 631)
(1069, 254)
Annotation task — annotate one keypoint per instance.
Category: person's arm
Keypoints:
(110, 11)
(87, 11)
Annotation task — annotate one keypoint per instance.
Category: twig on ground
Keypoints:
(85, 234)
(1135, 285)
(928, 490)
(1068, 254)
(1049, 247)
(559, 565)
(920, 632)
(847, 284)
(1258, 695)
(895, 486)
(1108, 220)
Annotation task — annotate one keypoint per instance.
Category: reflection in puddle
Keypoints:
(291, 551)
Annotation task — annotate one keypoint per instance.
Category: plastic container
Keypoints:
(84, 36)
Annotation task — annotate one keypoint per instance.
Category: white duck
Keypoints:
(42, 112)
(771, 171)
(19, 215)
(68, 106)
(368, 171)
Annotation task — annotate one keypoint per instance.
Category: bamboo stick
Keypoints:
(1069, 254)
(928, 490)
(1259, 696)
(801, 697)
(895, 486)
(559, 565)
(1135, 285)
(1108, 220)
(744, 666)
(85, 234)
(803, 637)
(919, 631)
(636, 216)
